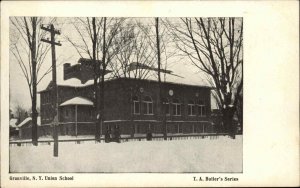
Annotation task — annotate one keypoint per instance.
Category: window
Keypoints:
(201, 108)
(166, 106)
(194, 128)
(148, 105)
(46, 114)
(46, 97)
(91, 113)
(43, 113)
(66, 112)
(136, 105)
(137, 129)
(191, 108)
(179, 128)
(176, 107)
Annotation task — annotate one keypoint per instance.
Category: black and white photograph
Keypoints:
(126, 94)
(149, 93)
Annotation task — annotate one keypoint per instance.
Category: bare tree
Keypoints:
(154, 29)
(20, 113)
(215, 46)
(96, 41)
(144, 53)
(158, 41)
(136, 55)
(30, 53)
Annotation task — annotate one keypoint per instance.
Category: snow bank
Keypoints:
(194, 155)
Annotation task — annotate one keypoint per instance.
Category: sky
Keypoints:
(19, 92)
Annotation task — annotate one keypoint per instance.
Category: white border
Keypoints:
(271, 87)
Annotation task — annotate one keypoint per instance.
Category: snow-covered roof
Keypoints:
(78, 101)
(152, 75)
(12, 122)
(25, 121)
(168, 78)
(75, 82)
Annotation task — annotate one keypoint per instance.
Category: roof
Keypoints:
(72, 82)
(170, 79)
(78, 101)
(25, 121)
(75, 82)
(85, 60)
(12, 122)
(152, 76)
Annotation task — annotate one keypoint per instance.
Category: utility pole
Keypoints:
(34, 83)
(53, 32)
(161, 111)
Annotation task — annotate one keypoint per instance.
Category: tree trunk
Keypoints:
(101, 109)
(240, 112)
(99, 126)
(96, 106)
(227, 120)
(34, 83)
(96, 76)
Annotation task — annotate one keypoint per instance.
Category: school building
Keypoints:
(131, 104)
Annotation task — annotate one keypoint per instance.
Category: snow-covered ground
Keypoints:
(192, 155)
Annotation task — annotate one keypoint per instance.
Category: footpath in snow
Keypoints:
(193, 155)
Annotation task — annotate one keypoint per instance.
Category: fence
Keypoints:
(141, 127)
(211, 136)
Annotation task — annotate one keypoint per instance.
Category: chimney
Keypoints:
(66, 66)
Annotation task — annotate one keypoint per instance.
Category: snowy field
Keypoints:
(193, 155)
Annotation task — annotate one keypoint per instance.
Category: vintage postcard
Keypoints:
(149, 94)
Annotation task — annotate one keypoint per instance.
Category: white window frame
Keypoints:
(201, 109)
(166, 105)
(191, 107)
(179, 128)
(134, 110)
(176, 104)
(147, 104)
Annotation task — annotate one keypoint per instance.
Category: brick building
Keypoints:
(130, 104)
